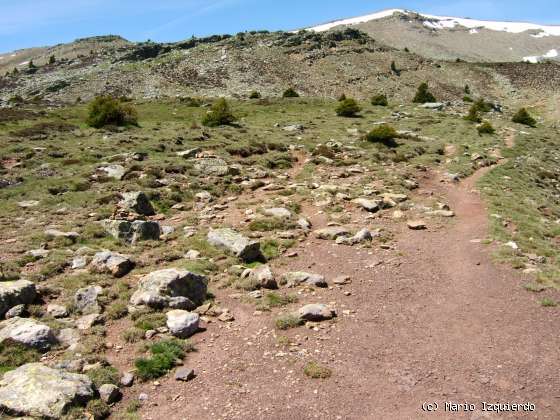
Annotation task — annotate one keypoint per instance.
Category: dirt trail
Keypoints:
(432, 320)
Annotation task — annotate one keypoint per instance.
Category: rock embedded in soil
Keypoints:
(111, 171)
(127, 379)
(117, 265)
(233, 242)
(263, 277)
(332, 232)
(158, 289)
(28, 332)
(17, 292)
(367, 204)
(316, 312)
(416, 224)
(182, 324)
(278, 212)
(57, 311)
(39, 391)
(137, 202)
(184, 374)
(295, 278)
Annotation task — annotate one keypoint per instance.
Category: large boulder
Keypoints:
(137, 202)
(242, 247)
(42, 392)
(86, 299)
(181, 323)
(28, 332)
(18, 292)
(111, 262)
(132, 232)
(171, 288)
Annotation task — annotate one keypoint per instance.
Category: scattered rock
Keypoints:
(109, 393)
(88, 321)
(28, 204)
(17, 292)
(416, 224)
(113, 263)
(28, 332)
(38, 253)
(278, 212)
(304, 223)
(226, 316)
(137, 202)
(214, 167)
(181, 323)
(54, 233)
(192, 255)
(111, 171)
(57, 311)
(157, 289)
(188, 154)
(263, 277)
(127, 379)
(242, 247)
(39, 391)
(18, 310)
(369, 205)
(433, 105)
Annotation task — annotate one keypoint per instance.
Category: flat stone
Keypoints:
(278, 212)
(295, 278)
(57, 311)
(88, 321)
(416, 224)
(111, 171)
(189, 153)
(316, 312)
(369, 205)
(54, 233)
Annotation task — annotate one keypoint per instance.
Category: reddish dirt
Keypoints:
(432, 319)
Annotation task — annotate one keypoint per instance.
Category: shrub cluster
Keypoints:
(104, 110)
(485, 128)
(379, 100)
(383, 133)
(290, 93)
(164, 355)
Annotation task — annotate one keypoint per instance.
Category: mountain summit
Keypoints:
(445, 37)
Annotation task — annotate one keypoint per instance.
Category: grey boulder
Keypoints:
(18, 292)
(181, 323)
(295, 278)
(233, 242)
(28, 332)
(137, 202)
(316, 312)
(86, 299)
(133, 232)
(117, 265)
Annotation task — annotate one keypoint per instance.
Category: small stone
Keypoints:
(416, 224)
(127, 379)
(181, 323)
(226, 317)
(184, 374)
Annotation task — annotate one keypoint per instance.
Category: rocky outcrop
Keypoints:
(132, 232)
(137, 202)
(112, 263)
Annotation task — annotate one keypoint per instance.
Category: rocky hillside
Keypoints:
(315, 64)
(450, 38)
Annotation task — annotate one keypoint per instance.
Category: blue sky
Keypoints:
(26, 23)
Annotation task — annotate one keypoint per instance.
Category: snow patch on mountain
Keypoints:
(448, 22)
(538, 58)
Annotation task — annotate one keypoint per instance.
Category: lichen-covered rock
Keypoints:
(161, 289)
(278, 212)
(367, 204)
(111, 262)
(28, 332)
(18, 292)
(42, 392)
(263, 277)
(137, 202)
(86, 299)
(181, 323)
(214, 166)
(111, 171)
(132, 232)
(242, 247)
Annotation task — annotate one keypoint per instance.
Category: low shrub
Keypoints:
(348, 108)
(423, 95)
(316, 371)
(485, 128)
(254, 95)
(104, 110)
(220, 114)
(473, 115)
(104, 375)
(287, 321)
(523, 117)
(383, 133)
(379, 100)
(290, 93)
(164, 357)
